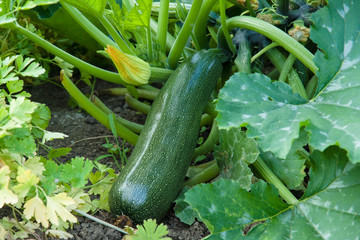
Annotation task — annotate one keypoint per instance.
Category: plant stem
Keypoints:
(163, 24)
(270, 177)
(283, 7)
(180, 41)
(206, 175)
(249, 7)
(201, 23)
(100, 221)
(264, 50)
(286, 68)
(224, 27)
(115, 35)
(169, 38)
(143, 93)
(157, 74)
(273, 33)
(135, 127)
(210, 142)
(80, 64)
(94, 111)
(279, 60)
(88, 26)
(311, 86)
(136, 104)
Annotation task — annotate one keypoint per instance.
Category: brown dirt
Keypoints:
(86, 137)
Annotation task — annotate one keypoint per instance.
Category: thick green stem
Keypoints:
(157, 74)
(143, 93)
(96, 112)
(115, 35)
(135, 127)
(311, 86)
(163, 24)
(210, 172)
(224, 27)
(279, 60)
(88, 26)
(210, 142)
(169, 38)
(286, 68)
(80, 64)
(273, 33)
(137, 105)
(270, 177)
(180, 41)
(201, 23)
(264, 50)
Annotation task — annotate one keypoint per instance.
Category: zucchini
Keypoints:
(156, 169)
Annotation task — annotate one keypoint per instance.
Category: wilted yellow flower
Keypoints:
(132, 69)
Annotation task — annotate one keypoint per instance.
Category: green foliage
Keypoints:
(42, 191)
(149, 230)
(273, 114)
(234, 154)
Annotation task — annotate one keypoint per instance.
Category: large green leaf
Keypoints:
(291, 169)
(93, 7)
(233, 155)
(273, 114)
(328, 210)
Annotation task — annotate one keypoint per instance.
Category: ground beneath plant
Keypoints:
(86, 137)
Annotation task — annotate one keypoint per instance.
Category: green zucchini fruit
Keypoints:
(153, 176)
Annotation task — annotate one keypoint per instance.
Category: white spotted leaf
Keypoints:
(233, 154)
(274, 115)
(326, 211)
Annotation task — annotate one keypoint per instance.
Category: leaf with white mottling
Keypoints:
(291, 169)
(224, 206)
(274, 115)
(234, 153)
(328, 210)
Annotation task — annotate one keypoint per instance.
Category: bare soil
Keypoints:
(86, 137)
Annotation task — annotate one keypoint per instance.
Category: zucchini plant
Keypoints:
(280, 103)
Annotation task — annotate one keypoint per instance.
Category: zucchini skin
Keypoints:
(156, 169)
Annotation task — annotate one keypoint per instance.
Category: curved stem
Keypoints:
(273, 33)
(224, 27)
(264, 50)
(270, 177)
(201, 23)
(210, 172)
(180, 41)
(96, 112)
(286, 68)
(135, 127)
(210, 142)
(157, 74)
(88, 26)
(136, 104)
(80, 64)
